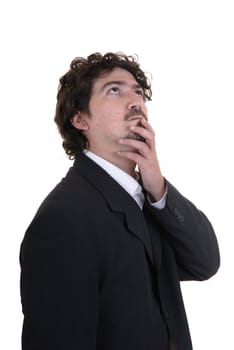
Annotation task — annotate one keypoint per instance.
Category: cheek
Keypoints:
(111, 118)
(145, 110)
(115, 117)
(105, 115)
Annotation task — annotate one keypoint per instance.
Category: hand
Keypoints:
(145, 156)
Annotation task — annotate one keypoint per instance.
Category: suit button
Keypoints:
(178, 215)
(166, 315)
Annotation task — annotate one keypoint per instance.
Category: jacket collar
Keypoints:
(117, 198)
(127, 182)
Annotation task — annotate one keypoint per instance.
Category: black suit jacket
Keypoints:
(100, 274)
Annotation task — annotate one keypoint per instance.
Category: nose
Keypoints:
(135, 105)
(134, 102)
(135, 112)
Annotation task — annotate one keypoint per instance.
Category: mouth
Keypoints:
(137, 118)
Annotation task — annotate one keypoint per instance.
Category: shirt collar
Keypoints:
(126, 181)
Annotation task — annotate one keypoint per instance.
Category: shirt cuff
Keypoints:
(159, 204)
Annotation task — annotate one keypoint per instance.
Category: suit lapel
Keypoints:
(117, 198)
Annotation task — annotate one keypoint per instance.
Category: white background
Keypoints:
(187, 46)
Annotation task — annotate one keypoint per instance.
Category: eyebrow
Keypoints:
(119, 82)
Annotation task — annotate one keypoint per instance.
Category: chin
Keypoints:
(129, 149)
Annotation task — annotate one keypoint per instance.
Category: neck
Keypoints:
(124, 164)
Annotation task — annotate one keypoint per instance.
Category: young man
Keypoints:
(103, 258)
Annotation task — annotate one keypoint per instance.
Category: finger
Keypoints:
(139, 146)
(151, 140)
(139, 130)
(147, 125)
(135, 157)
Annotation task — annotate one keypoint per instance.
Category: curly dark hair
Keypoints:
(75, 90)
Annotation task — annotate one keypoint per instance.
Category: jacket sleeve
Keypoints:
(191, 236)
(59, 288)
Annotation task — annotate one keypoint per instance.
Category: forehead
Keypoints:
(116, 75)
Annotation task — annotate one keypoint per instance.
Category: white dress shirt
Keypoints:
(127, 182)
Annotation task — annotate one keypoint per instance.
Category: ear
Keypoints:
(79, 121)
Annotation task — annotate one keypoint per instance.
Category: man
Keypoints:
(103, 258)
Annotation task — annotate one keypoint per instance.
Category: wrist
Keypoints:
(158, 191)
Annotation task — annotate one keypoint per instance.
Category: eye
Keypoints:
(114, 90)
(139, 92)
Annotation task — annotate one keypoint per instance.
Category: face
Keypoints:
(117, 102)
